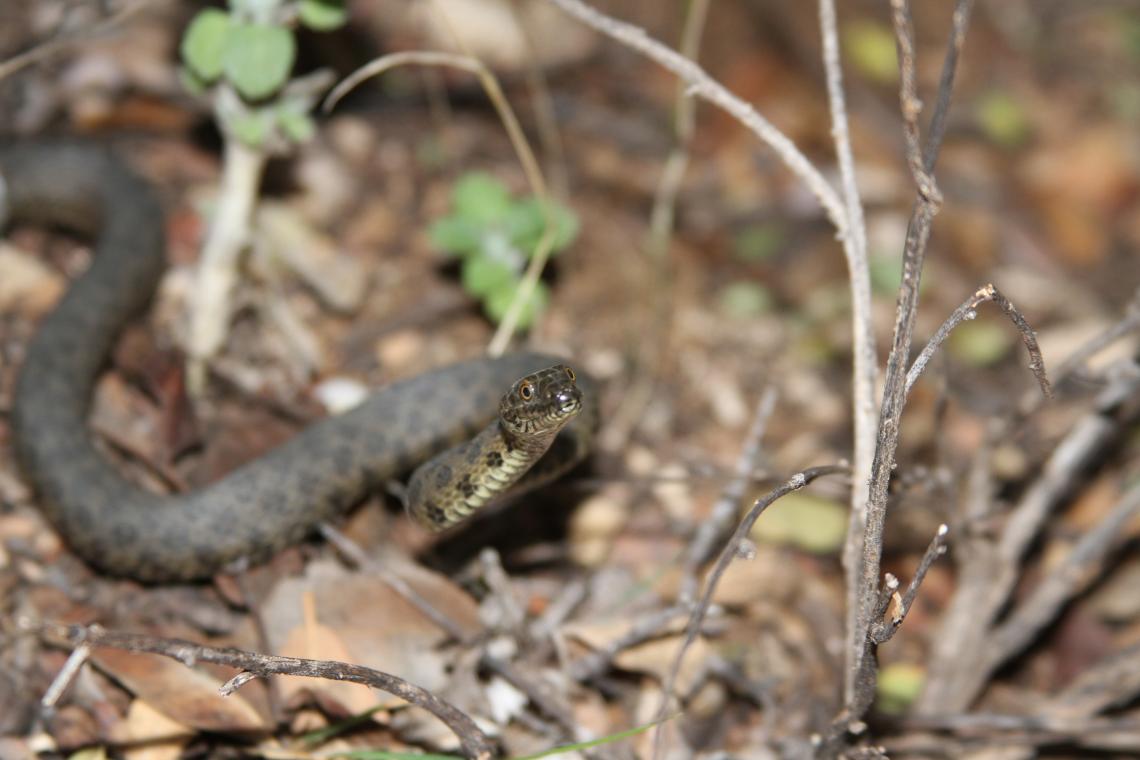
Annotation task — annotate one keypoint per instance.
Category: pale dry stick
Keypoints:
(704, 86)
(860, 679)
(968, 311)
(995, 736)
(518, 140)
(545, 118)
(727, 506)
(865, 363)
(1129, 324)
(500, 589)
(652, 349)
(994, 569)
(732, 549)
(651, 626)
(541, 694)
(1113, 681)
(65, 677)
(79, 37)
(358, 557)
(1079, 569)
(474, 742)
(228, 235)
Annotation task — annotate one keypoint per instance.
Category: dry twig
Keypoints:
(518, 140)
(474, 742)
(731, 550)
(727, 506)
(990, 569)
(860, 676)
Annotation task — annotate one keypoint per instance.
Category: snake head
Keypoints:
(542, 402)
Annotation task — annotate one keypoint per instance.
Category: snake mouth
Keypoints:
(568, 402)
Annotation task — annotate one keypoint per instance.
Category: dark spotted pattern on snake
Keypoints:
(266, 504)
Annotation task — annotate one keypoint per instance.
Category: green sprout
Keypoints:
(495, 235)
(252, 48)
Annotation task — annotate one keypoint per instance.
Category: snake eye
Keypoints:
(526, 391)
(570, 374)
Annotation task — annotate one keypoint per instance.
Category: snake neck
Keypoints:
(529, 445)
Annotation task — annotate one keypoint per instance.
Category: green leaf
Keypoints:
(758, 242)
(497, 303)
(480, 198)
(255, 11)
(258, 58)
(204, 44)
(871, 48)
(525, 222)
(322, 15)
(496, 246)
(385, 754)
(297, 126)
(483, 276)
(1003, 119)
(251, 128)
(191, 82)
(899, 686)
(981, 343)
(595, 742)
(886, 273)
(808, 522)
(745, 299)
(455, 234)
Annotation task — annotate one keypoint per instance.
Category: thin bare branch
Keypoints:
(1078, 570)
(727, 506)
(958, 26)
(474, 742)
(653, 625)
(732, 549)
(1126, 326)
(885, 629)
(1113, 681)
(859, 681)
(360, 559)
(967, 311)
(909, 102)
(864, 366)
(651, 353)
(522, 148)
(992, 570)
(704, 86)
(82, 36)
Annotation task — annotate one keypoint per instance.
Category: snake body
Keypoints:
(277, 499)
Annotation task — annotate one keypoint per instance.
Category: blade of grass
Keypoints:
(562, 748)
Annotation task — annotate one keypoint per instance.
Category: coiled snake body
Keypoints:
(277, 499)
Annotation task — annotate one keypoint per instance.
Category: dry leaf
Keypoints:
(155, 736)
(360, 619)
(315, 641)
(28, 284)
(184, 694)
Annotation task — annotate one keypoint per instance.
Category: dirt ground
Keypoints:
(566, 609)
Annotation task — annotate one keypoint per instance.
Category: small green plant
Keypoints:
(244, 57)
(495, 235)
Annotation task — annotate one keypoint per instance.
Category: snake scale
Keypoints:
(279, 498)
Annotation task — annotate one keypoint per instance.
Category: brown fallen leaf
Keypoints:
(315, 641)
(183, 694)
(358, 618)
(150, 734)
(28, 284)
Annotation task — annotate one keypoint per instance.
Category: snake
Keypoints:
(472, 431)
